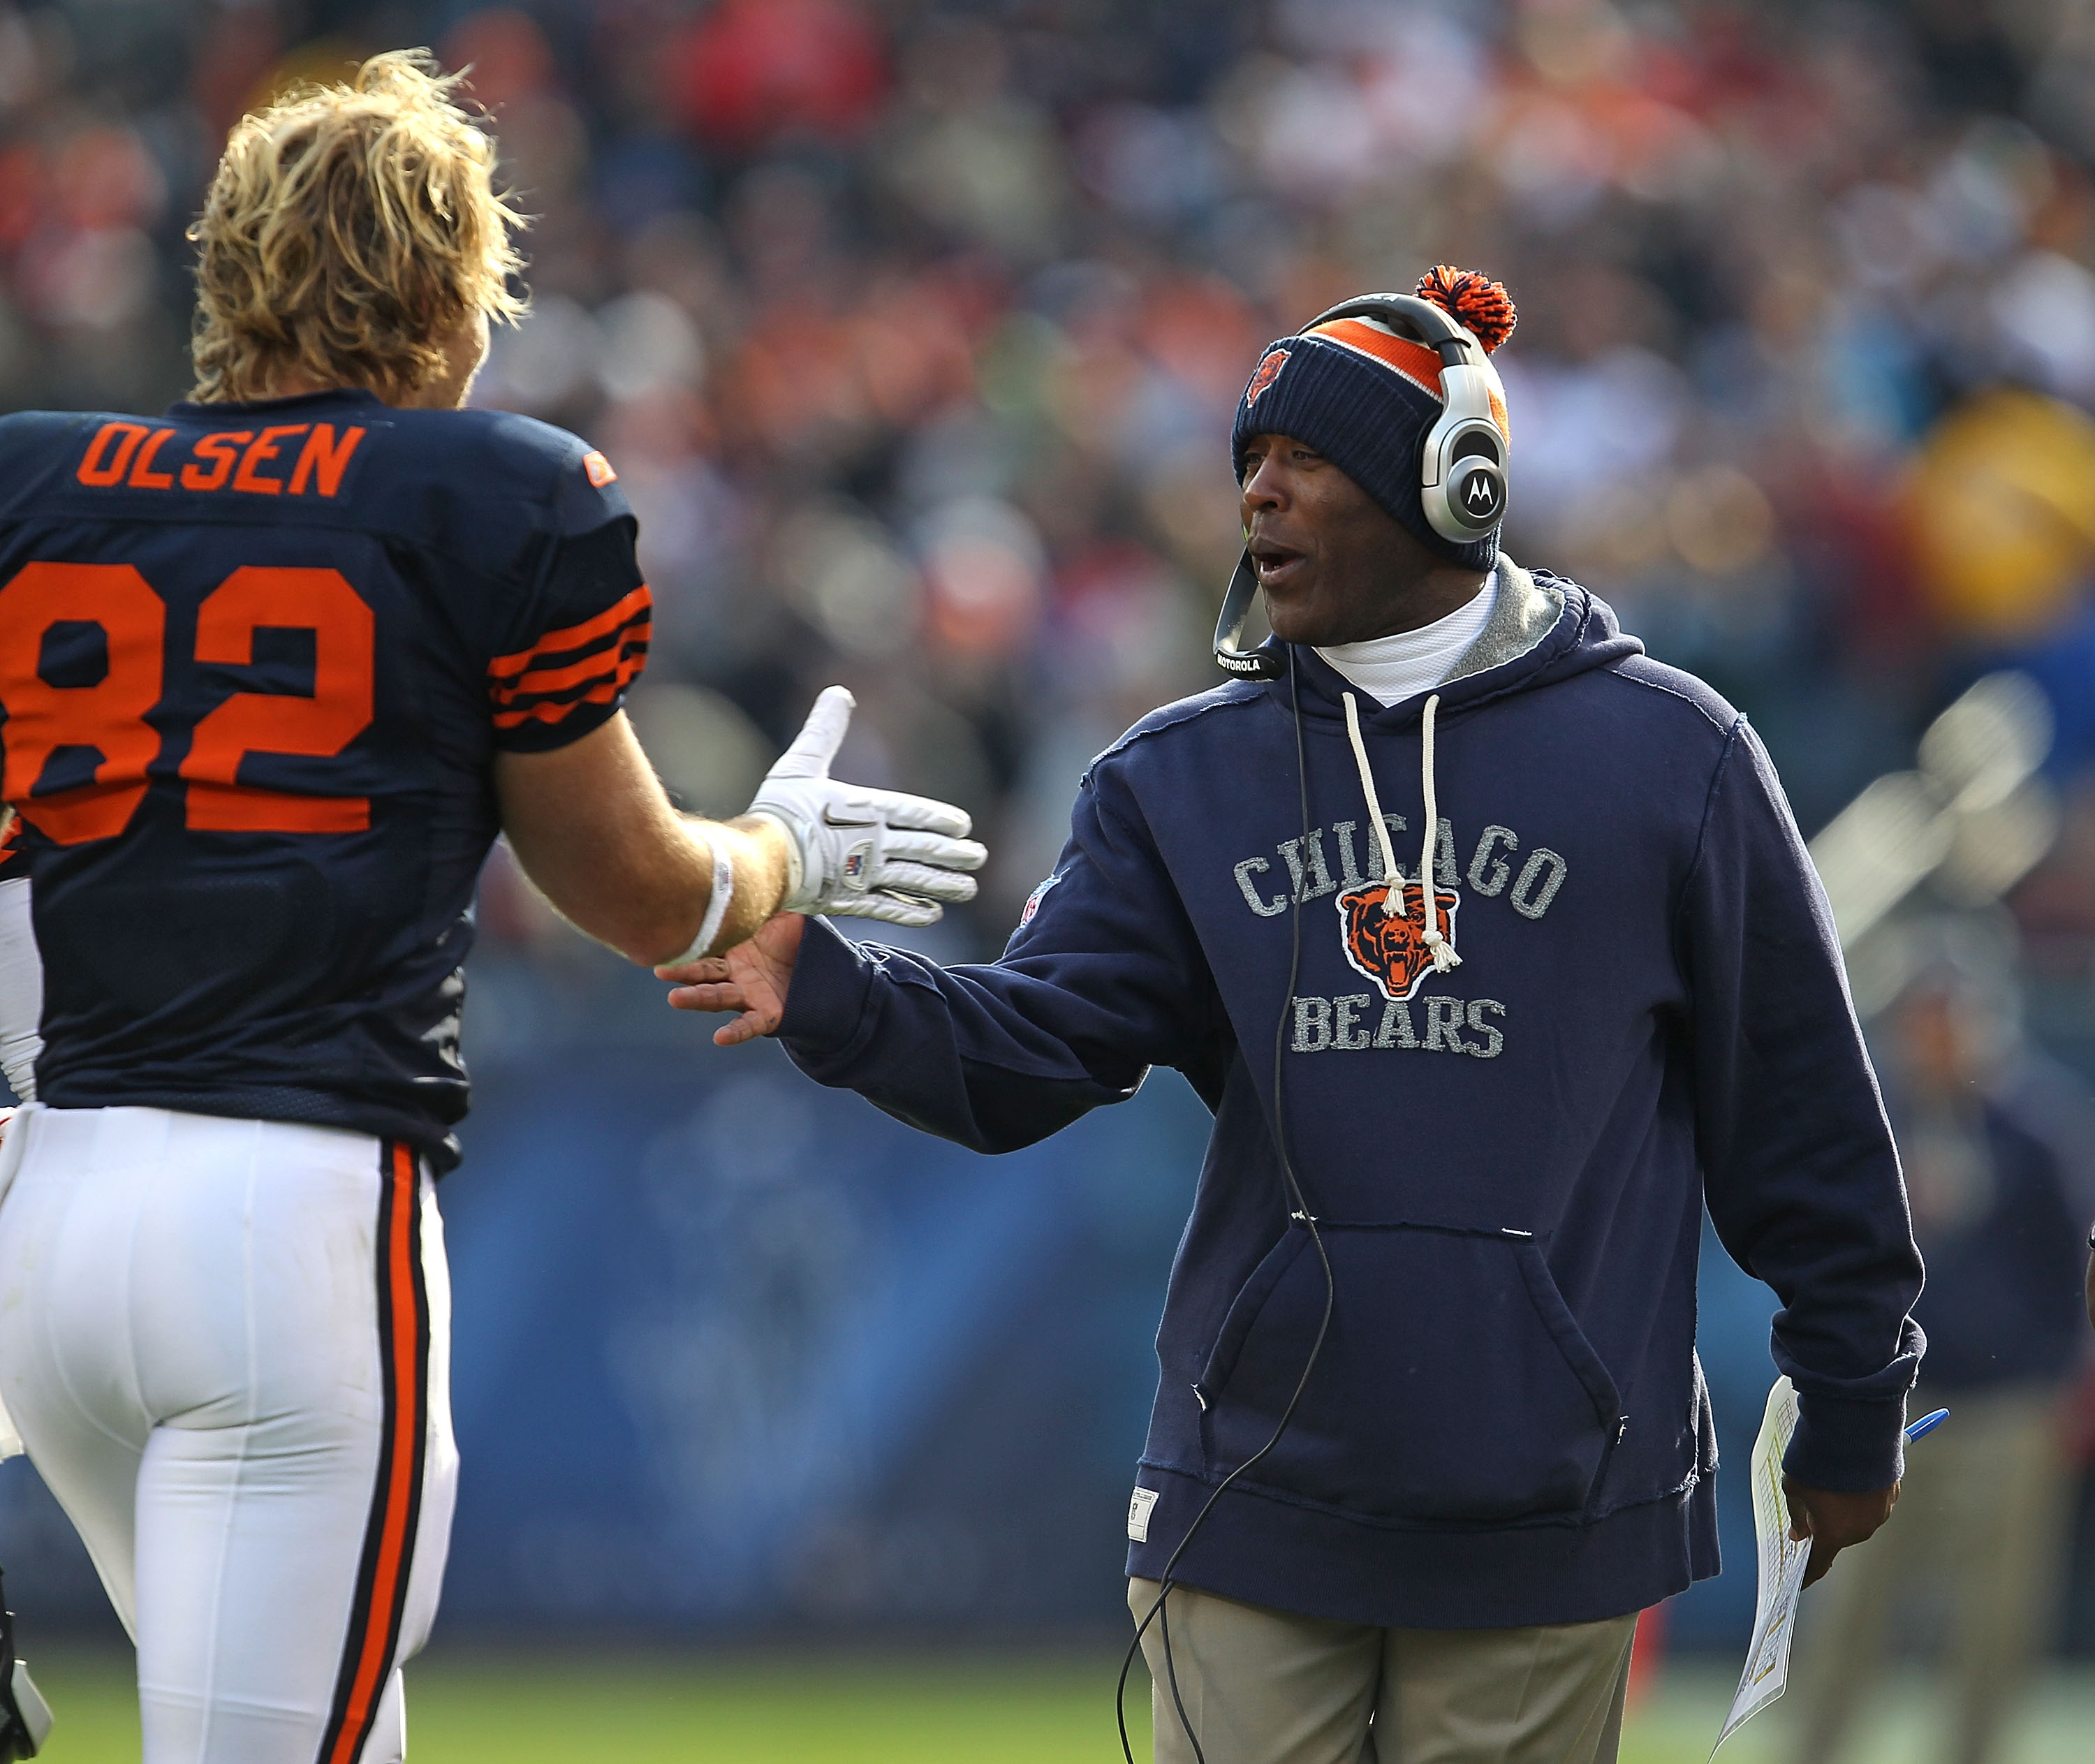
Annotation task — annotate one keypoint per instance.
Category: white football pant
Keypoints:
(226, 1344)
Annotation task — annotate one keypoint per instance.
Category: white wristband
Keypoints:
(795, 870)
(717, 903)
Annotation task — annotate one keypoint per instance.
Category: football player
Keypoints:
(275, 669)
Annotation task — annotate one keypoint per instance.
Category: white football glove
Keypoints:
(859, 853)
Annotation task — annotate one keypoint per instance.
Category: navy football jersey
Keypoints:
(255, 662)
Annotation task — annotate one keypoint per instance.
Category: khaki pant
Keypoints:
(1265, 1687)
(1984, 1512)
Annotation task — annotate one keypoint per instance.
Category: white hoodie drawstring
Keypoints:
(1444, 951)
(1393, 881)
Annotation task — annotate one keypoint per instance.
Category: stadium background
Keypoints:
(912, 327)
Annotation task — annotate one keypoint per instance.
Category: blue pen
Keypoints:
(1927, 1424)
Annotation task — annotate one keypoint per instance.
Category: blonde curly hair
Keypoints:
(349, 231)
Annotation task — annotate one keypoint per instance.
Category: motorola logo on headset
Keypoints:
(1478, 497)
(1461, 468)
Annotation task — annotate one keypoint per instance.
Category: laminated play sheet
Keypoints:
(1782, 1561)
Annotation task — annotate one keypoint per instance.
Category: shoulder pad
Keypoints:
(38, 450)
(572, 482)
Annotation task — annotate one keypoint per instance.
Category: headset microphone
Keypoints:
(1246, 664)
(1462, 480)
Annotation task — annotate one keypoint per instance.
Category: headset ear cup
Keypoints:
(1463, 479)
(1467, 502)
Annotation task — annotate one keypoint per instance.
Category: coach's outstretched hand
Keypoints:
(752, 979)
(863, 854)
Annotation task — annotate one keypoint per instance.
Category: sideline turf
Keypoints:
(913, 1709)
(773, 1709)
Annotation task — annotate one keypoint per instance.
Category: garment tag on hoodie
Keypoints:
(1138, 1514)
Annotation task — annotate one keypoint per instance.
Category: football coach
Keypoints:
(1492, 946)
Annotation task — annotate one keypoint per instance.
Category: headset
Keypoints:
(1462, 480)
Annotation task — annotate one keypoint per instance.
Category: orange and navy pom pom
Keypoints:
(1473, 300)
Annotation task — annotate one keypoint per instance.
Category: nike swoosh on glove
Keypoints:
(863, 854)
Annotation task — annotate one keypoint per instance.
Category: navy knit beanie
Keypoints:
(1365, 397)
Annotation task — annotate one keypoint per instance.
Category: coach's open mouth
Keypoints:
(1276, 564)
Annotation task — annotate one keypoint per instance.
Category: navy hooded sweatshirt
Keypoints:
(1506, 1162)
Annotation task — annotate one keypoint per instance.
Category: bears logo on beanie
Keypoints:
(1364, 397)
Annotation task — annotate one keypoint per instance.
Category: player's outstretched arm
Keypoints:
(591, 826)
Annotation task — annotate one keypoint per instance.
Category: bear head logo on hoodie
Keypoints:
(1391, 948)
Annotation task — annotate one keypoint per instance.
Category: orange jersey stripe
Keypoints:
(596, 695)
(553, 679)
(637, 604)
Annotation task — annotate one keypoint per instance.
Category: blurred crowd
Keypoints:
(912, 327)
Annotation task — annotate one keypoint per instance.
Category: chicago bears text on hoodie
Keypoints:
(1641, 1004)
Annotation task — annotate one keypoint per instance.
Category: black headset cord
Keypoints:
(1299, 1209)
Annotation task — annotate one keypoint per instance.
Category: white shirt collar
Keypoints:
(1390, 669)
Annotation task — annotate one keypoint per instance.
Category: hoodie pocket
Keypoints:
(1453, 1385)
